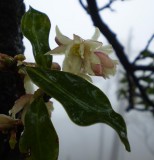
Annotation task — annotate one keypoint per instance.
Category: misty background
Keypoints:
(132, 21)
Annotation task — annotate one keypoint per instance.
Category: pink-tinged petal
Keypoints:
(61, 38)
(96, 34)
(97, 69)
(24, 111)
(55, 66)
(57, 41)
(106, 61)
(50, 107)
(6, 121)
(20, 104)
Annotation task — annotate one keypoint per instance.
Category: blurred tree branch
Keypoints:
(131, 68)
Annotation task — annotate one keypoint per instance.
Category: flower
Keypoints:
(7, 122)
(21, 104)
(85, 57)
(24, 102)
(106, 67)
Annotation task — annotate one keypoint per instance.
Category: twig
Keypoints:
(143, 68)
(111, 37)
(145, 49)
(83, 6)
(131, 93)
(150, 40)
(108, 5)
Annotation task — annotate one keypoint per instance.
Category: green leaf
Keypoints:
(39, 137)
(36, 27)
(147, 79)
(85, 103)
(146, 53)
(150, 90)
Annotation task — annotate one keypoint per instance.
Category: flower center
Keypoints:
(75, 49)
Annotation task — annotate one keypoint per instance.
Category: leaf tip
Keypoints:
(128, 148)
(31, 8)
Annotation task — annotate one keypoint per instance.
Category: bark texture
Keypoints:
(11, 83)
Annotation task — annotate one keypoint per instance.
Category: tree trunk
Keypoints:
(11, 84)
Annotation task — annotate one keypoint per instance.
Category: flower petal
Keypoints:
(72, 63)
(61, 38)
(97, 69)
(93, 45)
(77, 39)
(106, 61)
(6, 121)
(58, 50)
(55, 66)
(94, 59)
(28, 85)
(87, 65)
(81, 50)
(96, 34)
(107, 49)
(20, 104)
(50, 107)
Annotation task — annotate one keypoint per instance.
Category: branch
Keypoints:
(131, 92)
(145, 49)
(111, 37)
(149, 42)
(83, 6)
(108, 5)
(143, 68)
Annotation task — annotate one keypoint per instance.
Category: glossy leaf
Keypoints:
(84, 103)
(36, 27)
(39, 138)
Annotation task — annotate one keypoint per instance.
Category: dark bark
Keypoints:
(11, 83)
(11, 12)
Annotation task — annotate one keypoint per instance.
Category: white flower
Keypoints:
(84, 57)
(23, 103)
